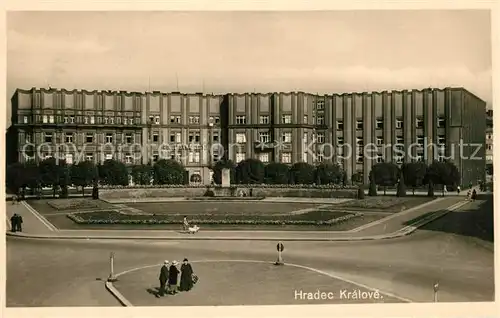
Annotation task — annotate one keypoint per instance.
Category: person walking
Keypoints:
(185, 224)
(173, 274)
(458, 190)
(163, 279)
(186, 276)
(474, 195)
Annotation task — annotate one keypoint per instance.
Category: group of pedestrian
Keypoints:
(471, 195)
(16, 223)
(169, 277)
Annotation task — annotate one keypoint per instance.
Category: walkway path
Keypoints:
(36, 226)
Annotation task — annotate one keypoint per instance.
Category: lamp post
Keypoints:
(112, 277)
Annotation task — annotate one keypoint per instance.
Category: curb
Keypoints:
(117, 294)
(407, 230)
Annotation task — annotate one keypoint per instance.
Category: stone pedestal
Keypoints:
(226, 178)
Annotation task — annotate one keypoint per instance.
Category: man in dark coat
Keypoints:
(13, 223)
(19, 223)
(173, 275)
(163, 278)
(186, 276)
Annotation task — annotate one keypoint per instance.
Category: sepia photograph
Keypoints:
(248, 158)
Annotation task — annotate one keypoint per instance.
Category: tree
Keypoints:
(444, 173)
(168, 172)
(344, 179)
(329, 173)
(15, 177)
(357, 177)
(142, 174)
(32, 178)
(83, 174)
(221, 165)
(250, 171)
(302, 173)
(113, 172)
(385, 174)
(49, 174)
(276, 173)
(361, 192)
(414, 174)
(373, 187)
(401, 185)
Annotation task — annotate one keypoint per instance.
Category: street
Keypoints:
(66, 273)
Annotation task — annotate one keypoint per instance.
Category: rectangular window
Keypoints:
(264, 157)
(241, 138)
(287, 137)
(320, 137)
(379, 158)
(196, 156)
(89, 157)
(359, 141)
(128, 159)
(178, 137)
(304, 138)
(45, 119)
(399, 140)
(420, 140)
(241, 120)
(157, 120)
(398, 159)
(51, 119)
(217, 119)
(380, 140)
(359, 158)
(319, 157)
(340, 125)
(286, 157)
(85, 120)
(320, 120)
(264, 137)
(264, 119)
(340, 140)
(194, 137)
(89, 137)
(175, 119)
(129, 139)
(306, 119)
(194, 119)
(111, 120)
(69, 138)
(72, 119)
(441, 123)
(118, 120)
(92, 119)
(359, 124)
(156, 137)
(48, 137)
(286, 119)
(240, 156)
(399, 124)
(109, 156)
(379, 124)
(320, 104)
(441, 140)
(419, 123)
(215, 137)
(25, 119)
(69, 158)
(109, 138)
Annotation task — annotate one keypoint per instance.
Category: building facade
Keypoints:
(489, 137)
(199, 129)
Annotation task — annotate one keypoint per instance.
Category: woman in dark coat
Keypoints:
(186, 276)
(173, 274)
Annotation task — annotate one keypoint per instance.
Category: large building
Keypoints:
(283, 127)
(489, 137)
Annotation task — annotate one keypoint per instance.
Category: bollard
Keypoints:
(112, 277)
(436, 288)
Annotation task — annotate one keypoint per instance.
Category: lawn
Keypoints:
(232, 207)
(384, 203)
(49, 206)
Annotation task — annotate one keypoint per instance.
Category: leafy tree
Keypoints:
(142, 174)
(84, 174)
(250, 171)
(276, 173)
(385, 174)
(373, 187)
(15, 177)
(63, 173)
(414, 174)
(401, 185)
(49, 173)
(168, 172)
(444, 173)
(221, 165)
(32, 178)
(329, 173)
(344, 179)
(302, 173)
(113, 172)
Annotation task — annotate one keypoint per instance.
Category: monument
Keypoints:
(226, 178)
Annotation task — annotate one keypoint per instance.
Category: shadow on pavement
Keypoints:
(154, 291)
(473, 220)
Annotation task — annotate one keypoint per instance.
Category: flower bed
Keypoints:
(72, 204)
(196, 186)
(312, 218)
(226, 198)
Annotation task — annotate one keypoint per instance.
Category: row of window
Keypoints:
(107, 120)
(320, 120)
(265, 137)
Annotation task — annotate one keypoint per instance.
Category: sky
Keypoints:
(221, 52)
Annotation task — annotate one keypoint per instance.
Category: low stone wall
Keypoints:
(227, 192)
